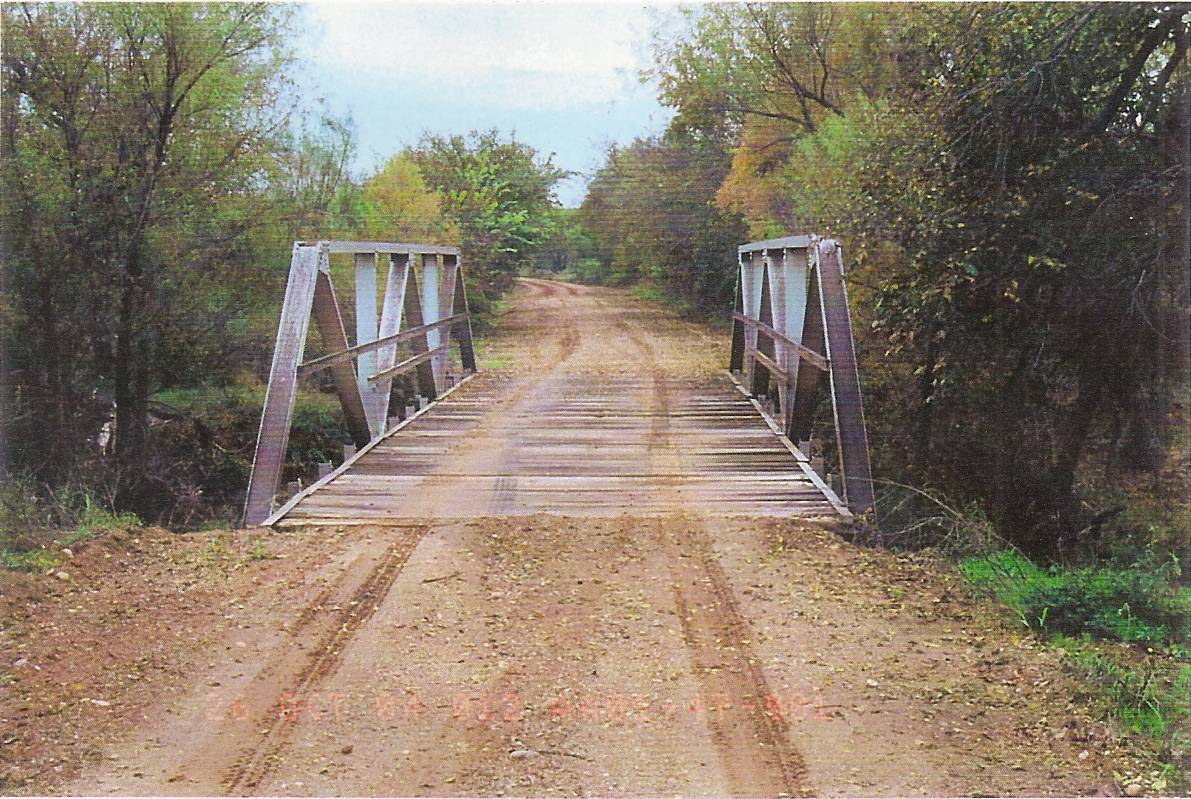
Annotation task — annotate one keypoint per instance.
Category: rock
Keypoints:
(347, 750)
(871, 683)
(20, 662)
(68, 552)
(522, 754)
(62, 575)
(1134, 789)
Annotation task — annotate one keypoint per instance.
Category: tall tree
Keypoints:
(134, 160)
(500, 194)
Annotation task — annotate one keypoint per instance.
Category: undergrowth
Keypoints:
(1123, 627)
(35, 527)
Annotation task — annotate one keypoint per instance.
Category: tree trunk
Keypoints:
(132, 421)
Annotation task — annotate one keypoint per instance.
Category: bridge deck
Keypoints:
(582, 448)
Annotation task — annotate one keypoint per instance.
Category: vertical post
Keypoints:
(845, 380)
(750, 287)
(330, 327)
(801, 416)
(763, 344)
(431, 278)
(736, 356)
(446, 297)
(390, 324)
(365, 332)
(273, 436)
(462, 330)
(791, 301)
(413, 315)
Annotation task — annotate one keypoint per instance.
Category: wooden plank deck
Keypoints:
(576, 445)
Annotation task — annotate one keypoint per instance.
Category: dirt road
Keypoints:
(466, 648)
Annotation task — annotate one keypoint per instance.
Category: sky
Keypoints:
(561, 76)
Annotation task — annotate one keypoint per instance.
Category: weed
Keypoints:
(32, 522)
(214, 553)
(1150, 697)
(261, 552)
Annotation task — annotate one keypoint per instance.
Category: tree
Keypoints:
(396, 202)
(500, 194)
(1020, 209)
(649, 214)
(137, 141)
(758, 77)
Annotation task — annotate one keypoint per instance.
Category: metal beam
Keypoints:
(278, 409)
(390, 323)
(366, 331)
(407, 364)
(330, 327)
(349, 354)
(413, 313)
(431, 312)
(802, 242)
(771, 366)
(845, 381)
(387, 247)
(804, 352)
(462, 332)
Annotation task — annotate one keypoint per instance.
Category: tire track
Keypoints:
(255, 763)
(755, 751)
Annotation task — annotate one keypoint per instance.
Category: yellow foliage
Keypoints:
(751, 187)
(396, 204)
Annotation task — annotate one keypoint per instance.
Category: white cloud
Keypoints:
(539, 56)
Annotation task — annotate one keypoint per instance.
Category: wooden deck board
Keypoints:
(587, 446)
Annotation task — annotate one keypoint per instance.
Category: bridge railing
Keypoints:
(423, 314)
(790, 324)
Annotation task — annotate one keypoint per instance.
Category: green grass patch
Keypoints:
(1140, 602)
(650, 293)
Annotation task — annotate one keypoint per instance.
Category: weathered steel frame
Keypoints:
(790, 322)
(364, 389)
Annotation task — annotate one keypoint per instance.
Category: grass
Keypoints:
(1124, 628)
(1137, 602)
(34, 529)
(485, 359)
(650, 293)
